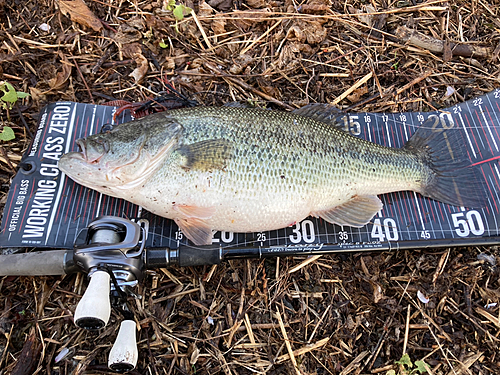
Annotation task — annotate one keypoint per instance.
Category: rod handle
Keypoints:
(123, 355)
(94, 309)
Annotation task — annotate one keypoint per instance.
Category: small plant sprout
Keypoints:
(409, 368)
(179, 11)
(10, 95)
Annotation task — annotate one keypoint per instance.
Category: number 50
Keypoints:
(471, 223)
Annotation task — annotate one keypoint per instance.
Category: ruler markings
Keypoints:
(71, 214)
(486, 125)
(481, 128)
(491, 119)
(434, 203)
(494, 216)
(467, 135)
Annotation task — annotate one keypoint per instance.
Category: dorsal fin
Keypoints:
(322, 112)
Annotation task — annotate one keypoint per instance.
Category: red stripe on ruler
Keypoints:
(484, 131)
(71, 195)
(491, 193)
(494, 178)
(120, 208)
(489, 115)
(440, 205)
(412, 200)
(60, 205)
(486, 161)
(473, 136)
(78, 201)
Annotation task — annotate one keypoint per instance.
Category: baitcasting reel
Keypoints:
(111, 251)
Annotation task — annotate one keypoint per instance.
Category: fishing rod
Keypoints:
(112, 252)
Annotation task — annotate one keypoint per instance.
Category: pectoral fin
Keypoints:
(355, 213)
(207, 155)
(195, 230)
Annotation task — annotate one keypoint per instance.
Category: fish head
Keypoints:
(123, 157)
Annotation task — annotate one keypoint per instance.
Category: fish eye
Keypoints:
(106, 128)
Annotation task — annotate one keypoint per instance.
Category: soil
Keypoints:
(339, 314)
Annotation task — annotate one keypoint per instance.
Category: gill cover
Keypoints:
(124, 156)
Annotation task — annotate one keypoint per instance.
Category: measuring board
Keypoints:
(46, 209)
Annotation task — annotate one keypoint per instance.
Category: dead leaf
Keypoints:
(134, 51)
(295, 33)
(357, 94)
(219, 26)
(37, 95)
(127, 34)
(315, 32)
(78, 12)
(204, 10)
(194, 356)
(61, 77)
(314, 8)
(169, 63)
(256, 4)
(240, 63)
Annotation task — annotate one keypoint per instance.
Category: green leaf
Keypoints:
(162, 44)
(421, 366)
(7, 134)
(390, 372)
(405, 361)
(180, 11)
(10, 96)
(171, 4)
(22, 95)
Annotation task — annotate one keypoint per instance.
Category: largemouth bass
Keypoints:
(251, 170)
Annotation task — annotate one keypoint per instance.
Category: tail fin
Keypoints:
(451, 179)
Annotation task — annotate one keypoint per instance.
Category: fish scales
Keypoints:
(249, 170)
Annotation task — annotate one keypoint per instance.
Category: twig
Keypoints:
(260, 37)
(203, 34)
(429, 43)
(407, 329)
(303, 350)
(248, 87)
(352, 88)
(287, 342)
(23, 120)
(83, 79)
(304, 263)
(4, 153)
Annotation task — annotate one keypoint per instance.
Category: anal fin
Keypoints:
(356, 212)
(195, 230)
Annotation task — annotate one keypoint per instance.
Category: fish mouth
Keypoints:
(93, 153)
(81, 143)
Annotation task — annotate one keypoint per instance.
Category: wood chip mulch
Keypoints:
(341, 314)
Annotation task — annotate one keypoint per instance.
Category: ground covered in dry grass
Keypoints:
(349, 314)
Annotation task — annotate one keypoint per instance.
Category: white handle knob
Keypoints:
(123, 355)
(94, 309)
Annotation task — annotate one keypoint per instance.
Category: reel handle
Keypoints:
(123, 355)
(94, 309)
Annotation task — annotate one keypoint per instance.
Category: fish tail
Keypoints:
(450, 177)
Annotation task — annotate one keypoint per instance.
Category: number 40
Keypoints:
(387, 230)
